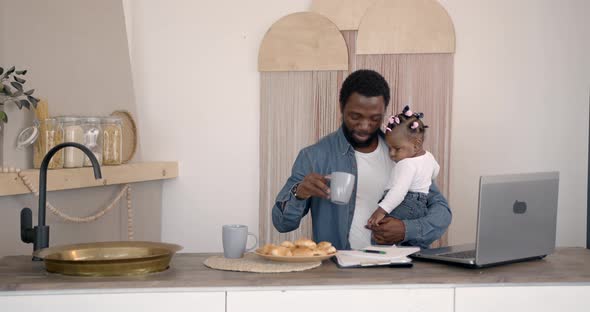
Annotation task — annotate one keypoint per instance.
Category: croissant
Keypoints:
(288, 244)
(300, 248)
(319, 252)
(267, 249)
(303, 242)
(281, 251)
(302, 252)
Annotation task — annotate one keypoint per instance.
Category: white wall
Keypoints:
(518, 65)
(77, 58)
(197, 88)
(522, 83)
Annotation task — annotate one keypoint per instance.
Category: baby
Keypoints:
(413, 172)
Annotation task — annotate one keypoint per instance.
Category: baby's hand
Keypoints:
(376, 217)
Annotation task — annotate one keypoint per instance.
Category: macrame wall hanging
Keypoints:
(304, 58)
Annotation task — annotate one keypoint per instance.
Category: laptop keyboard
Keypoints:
(461, 254)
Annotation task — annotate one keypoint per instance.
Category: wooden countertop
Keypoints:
(565, 266)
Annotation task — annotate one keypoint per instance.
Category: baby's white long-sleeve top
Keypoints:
(409, 175)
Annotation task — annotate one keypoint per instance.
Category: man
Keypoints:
(357, 147)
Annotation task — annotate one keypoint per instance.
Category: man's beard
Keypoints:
(356, 144)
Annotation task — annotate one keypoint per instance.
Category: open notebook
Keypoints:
(387, 256)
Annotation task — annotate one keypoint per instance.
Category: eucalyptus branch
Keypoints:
(10, 79)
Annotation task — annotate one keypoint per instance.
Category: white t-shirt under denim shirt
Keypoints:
(409, 175)
(372, 176)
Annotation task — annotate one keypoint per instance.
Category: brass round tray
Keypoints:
(108, 258)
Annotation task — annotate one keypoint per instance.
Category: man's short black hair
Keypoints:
(366, 82)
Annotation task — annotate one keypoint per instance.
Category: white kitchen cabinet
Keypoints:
(522, 299)
(123, 302)
(365, 299)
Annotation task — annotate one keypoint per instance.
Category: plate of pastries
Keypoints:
(301, 250)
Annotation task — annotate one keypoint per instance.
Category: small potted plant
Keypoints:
(12, 92)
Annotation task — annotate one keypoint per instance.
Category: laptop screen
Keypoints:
(517, 216)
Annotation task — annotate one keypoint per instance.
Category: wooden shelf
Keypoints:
(67, 179)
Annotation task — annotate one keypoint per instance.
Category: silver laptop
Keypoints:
(516, 221)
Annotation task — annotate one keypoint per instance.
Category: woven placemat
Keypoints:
(253, 263)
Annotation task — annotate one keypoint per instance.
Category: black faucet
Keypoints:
(39, 235)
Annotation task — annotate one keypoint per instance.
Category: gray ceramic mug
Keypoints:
(235, 237)
(341, 186)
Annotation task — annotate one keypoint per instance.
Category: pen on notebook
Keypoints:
(373, 251)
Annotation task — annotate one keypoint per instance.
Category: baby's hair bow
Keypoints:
(407, 112)
(394, 120)
(414, 125)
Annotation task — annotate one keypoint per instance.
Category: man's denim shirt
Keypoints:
(332, 222)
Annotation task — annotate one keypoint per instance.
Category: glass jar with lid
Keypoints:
(92, 138)
(73, 132)
(49, 134)
(112, 141)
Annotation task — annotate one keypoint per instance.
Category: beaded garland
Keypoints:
(126, 189)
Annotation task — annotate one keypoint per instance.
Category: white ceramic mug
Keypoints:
(235, 237)
(341, 186)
